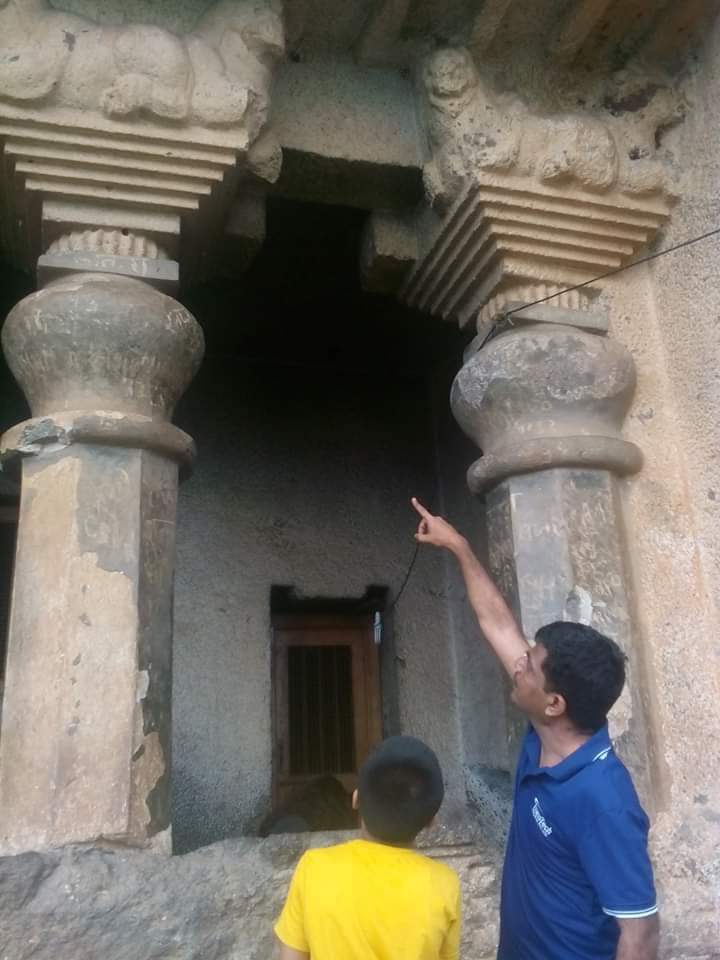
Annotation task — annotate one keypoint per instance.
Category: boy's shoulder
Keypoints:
(326, 858)
(441, 870)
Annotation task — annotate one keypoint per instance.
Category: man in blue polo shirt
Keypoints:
(577, 882)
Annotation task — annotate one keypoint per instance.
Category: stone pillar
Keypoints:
(85, 737)
(545, 402)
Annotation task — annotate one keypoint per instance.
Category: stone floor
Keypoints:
(217, 903)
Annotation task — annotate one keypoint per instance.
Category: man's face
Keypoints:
(528, 691)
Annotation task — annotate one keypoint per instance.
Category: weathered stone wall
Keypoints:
(303, 479)
(667, 315)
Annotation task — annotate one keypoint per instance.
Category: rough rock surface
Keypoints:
(219, 902)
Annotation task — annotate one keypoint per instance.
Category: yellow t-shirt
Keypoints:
(368, 901)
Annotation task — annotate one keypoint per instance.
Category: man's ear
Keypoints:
(355, 801)
(556, 705)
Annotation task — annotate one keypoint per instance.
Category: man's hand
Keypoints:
(436, 531)
(494, 616)
(639, 938)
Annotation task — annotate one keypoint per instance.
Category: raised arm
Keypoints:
(494, 616)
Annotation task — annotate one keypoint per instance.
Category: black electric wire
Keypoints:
(400, 592)
(505, 315)
(612, 273)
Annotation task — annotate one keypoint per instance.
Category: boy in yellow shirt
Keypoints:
(377, 898)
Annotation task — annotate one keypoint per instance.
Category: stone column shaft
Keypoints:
(85, 737)
(545, 402)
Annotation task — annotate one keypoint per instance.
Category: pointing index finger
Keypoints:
(425, 514)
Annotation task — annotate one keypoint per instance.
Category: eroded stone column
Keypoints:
(85, 736)
(545, 402)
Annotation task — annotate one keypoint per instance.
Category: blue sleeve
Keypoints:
(613, 852)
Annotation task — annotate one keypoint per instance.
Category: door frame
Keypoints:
(298, 629)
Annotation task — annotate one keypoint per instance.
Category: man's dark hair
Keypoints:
(400, 789)
(585, 667)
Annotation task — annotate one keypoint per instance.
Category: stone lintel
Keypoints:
(245, 230)
(389, 248)
(349, 134)
(347, 181)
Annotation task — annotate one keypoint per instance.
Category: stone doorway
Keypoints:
(316, 417)
(326, 716)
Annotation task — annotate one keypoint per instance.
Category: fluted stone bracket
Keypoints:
(133, 127)
(526, 196)
(542, 396)
(509, 239)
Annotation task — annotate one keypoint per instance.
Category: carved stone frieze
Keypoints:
(132, 117)
(607, 148)
(218, 74)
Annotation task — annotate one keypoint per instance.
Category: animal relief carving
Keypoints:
(219, 74)
(473, 128)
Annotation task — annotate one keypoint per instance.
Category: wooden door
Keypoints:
(326, 699)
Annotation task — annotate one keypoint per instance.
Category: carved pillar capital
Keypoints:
(527, 198)
(543, 396)
(134, 126)
(101, 359)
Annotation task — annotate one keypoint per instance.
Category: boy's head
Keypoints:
(400, 789)
(573, 672)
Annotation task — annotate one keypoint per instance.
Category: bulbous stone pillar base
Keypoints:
(85, 745)
(546, 404)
